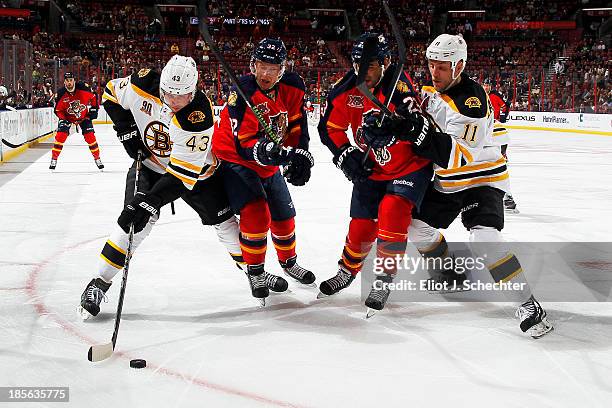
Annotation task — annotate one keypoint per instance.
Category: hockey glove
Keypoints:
(377, 136)
(132, 141)
(138, 211)
(297, 171)
(414, 127)
(349, 161)
(268, 153)
(93, 113)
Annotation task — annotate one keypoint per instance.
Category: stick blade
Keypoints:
(100, 352)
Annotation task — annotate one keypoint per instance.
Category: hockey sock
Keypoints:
(359, 240)
(283, 237)
(488, 243)
(228, 233)
(254, 225)
(90, 138)
(394, 216)
(60, 139)
(112, 257)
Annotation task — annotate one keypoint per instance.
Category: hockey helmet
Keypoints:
(179, 76)
(451, 48)
(382, 48)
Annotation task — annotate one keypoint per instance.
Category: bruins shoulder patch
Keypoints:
(196, 117)
(473, 102)
(143, 72)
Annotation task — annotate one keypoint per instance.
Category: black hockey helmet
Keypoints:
(270, 50)
(68, 75)
(382, 47)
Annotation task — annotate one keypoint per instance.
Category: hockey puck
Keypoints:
(138, 363)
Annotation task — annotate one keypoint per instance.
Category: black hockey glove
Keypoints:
(297, 172)
(349, 161)
(138, 211)
(377, 136)
(413, 127)
(268, 153)
(131, 140)
(93, 113)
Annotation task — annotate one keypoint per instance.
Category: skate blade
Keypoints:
(84, 314)
(322, 295)
(540, 329)
(512, 211)
(371, 313)
(261, 301)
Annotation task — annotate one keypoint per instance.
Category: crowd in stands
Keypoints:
(119, 38)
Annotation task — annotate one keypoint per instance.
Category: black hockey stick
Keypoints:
(101, 352)
(401, 49)
(205, 31)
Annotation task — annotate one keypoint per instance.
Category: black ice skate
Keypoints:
(295, 271)
(92, 296)
(275, 283)
(533, 318)
(53, 164)
(379, 294)
(99, 164)
(510, 205)
(336, 283)
(257, 281)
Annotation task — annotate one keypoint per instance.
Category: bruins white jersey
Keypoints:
(465, 113)
(180, 143)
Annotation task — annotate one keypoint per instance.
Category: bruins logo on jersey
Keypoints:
(143, 72)
(402, 87)
(473, 102)
(279, 124)
(196, 117)
(232, 98)
(157, 139)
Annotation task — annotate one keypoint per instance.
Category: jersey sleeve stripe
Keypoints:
(466, 153)
(333, 125)
(477, 180)
(183, 171)
(475, 167)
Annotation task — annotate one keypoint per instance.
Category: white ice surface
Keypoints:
(189, 313)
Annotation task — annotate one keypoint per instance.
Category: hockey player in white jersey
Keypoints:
(171, 123)
(455, 130)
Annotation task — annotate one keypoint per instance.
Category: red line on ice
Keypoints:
(37, 302)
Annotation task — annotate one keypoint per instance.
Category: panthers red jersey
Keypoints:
(283, 109)
(346, 107)
(74, 106)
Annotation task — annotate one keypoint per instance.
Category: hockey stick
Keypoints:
(205, 31)
(101, 352)
(401, 49)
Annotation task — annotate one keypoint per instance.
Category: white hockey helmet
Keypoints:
(451, 48)
(179, 76)
(3, 91)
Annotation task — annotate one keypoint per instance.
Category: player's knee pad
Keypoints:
(394, 216)
(362, 230)
(488, 243)
(89, 137)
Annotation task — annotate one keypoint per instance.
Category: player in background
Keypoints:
(500, 134)
(256, 189)
(171, 123)
(75, 104)
(470, 173)
(390, 184)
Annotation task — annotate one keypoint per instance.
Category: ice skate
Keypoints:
(257, 281)
(296, 272)
(92, 296)
(53, 164)
(510, 205)
(336, 283)
(378, 296)
(533, 318)
(99, 164)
